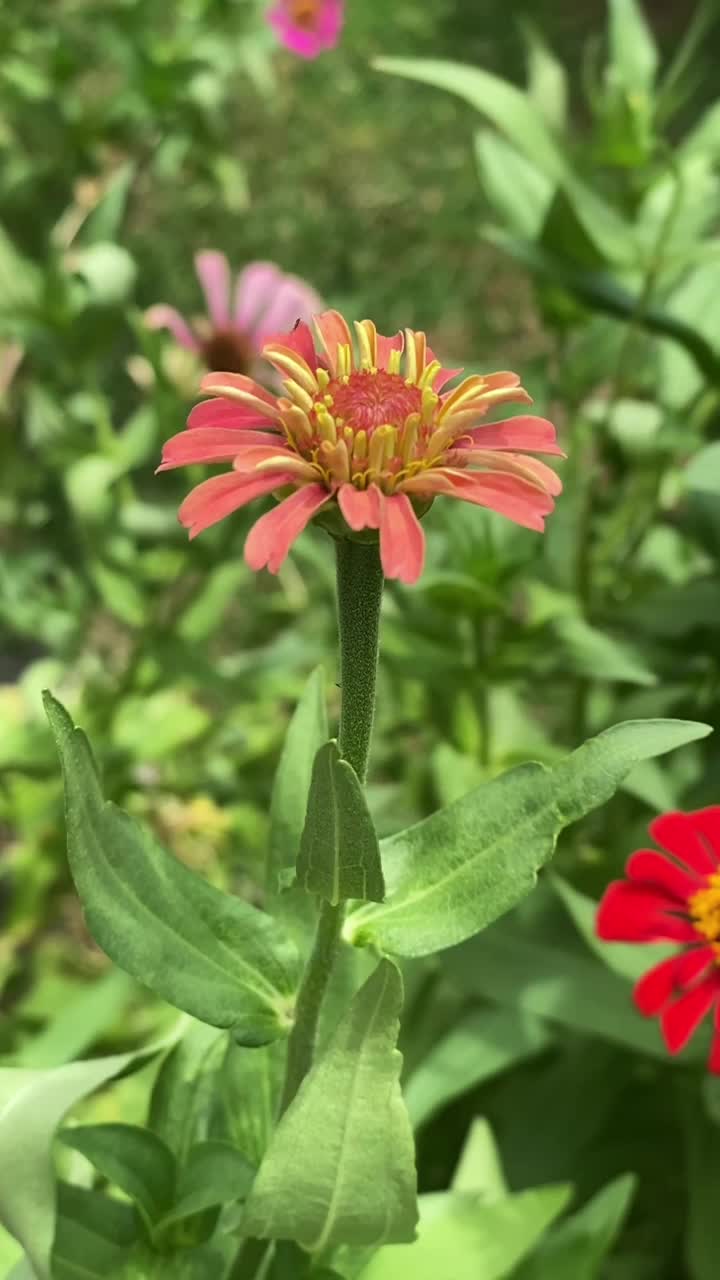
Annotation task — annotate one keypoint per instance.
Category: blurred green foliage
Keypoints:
(587, 256)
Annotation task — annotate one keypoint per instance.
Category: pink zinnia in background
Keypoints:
(366, 433)
(307, 27)
(241, 315)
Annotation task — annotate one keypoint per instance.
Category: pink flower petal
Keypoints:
(228, 413)
(658, 872)
(508, 495)
(237, 386)
(213, 271)
(360, 507)
(212, 444)
(681, 1019)
(271, 537)
(308, 40)
(254, 291)
(294, 300)
(164, 317)
(443, 376)
(630, 912)
(299, 340)
(493, 462)
(402, 541)
(334, 333)
(218, 497)
(386, 346)
(681, 834)
(523, 432)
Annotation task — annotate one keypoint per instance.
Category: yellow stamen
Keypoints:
(382, 446)
(415, 348)
(298, 466)
(344, 360)
(293, 365)
(296, 422)
(705, 909)
(367, 342)
(323, 378)
(335, 459)
(298, 394)
(360, 448)
(429, 406)
(393, 364)
(429, 374)
(408, 437)
(326, 423)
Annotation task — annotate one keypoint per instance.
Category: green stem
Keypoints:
(359, 592)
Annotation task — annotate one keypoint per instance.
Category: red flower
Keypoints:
(369, 435)
(674, 896)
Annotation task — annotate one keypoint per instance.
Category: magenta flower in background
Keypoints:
(307, 27)
(240, 318)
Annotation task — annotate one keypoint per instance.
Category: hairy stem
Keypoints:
(359, 594)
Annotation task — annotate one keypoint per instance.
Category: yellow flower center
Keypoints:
(705, 909)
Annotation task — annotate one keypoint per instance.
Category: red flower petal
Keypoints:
(228, 413)
(360, 507)
(272, 536)
(707, 824)
(299, 340)
(679, 834)
(508, 495)
(523, 432)
(657, 987)
(682, 1018)
(657, 871)
(334, 333)
(630, 912)
(212, 444)
(402, 541)
(221, 495)
(385, 347)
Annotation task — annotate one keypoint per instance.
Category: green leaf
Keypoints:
(513, 113)
(702, 1177)
(32, 1105)
(182, 1093)
(461, 1237)
(339, 854)
(359, 1187)
(250, 1084)
(480, 1046)
(214, 956)
(547, 78)
(20, 279)
(133, 1159)
(575, 1249)
(633, 52)
(108, 271)
(703, 471)
(80, 1022)
(592, 653)
(453, 874)
(94, 1234)
(518, 191)
(155, 727)
(555, 982)
(215, 1173)
(306, 733)
(105, 220)
(630, 960)
(479, 1169)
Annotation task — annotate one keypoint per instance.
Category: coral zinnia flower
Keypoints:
(307, 27)
(674, 896)
(370, 437)
(264, 301)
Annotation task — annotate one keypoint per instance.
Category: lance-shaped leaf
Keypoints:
(339, 852)
(134, 1159)
(32, 1105)
(306, 733)
(359, 1186)
(209, 954)
(453, 874)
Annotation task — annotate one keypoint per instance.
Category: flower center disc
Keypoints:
(304, 13)
(705, 909)
(365, 400)
(228, 350)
